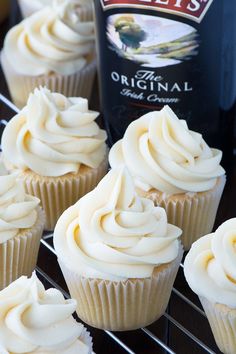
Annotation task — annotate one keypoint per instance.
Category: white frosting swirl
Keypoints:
(70, 10)
(81, 7)
(35, 320)
(51, 40)
(17, 209)
(162, 153)
(210, 265)
(111, 233)
(54, 135)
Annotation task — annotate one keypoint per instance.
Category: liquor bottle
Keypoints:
(157, 52)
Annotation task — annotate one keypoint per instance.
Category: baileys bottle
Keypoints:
(153, 53)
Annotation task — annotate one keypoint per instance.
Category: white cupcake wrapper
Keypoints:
(195, 214)
(222, 320)
(18, 256)
(87, 12)
(59, 193)
(75, 85)
(86, 338)
(124, 305)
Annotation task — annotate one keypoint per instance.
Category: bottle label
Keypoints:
(192, 9)
(158, 52)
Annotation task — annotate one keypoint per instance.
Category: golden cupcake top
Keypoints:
(112, 233)
(210, 265)
(34, 320)
(53, 135)
(162, 153)
(17, 209)
(52, 40)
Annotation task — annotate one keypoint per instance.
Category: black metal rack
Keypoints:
(183, 329)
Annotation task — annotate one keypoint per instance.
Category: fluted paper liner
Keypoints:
(86, 338)
(194, 213)
(59, 193)
(18, 256)
(222, 320)
(124, 305)
(27, 8)
(20, 86)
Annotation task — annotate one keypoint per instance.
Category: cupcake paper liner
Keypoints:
(124, 305)
(75, 85)
(28, 7)
(222, 320)
(194, 213)
(18, 256)
(86, 338)
(58, 193)
(86, 12)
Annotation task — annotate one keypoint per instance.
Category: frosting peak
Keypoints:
(210, 265)
(51, 40)
(70, 12)
(53, 135)
(17, 209)
(112, 233)
(35, 320)
(162, 153)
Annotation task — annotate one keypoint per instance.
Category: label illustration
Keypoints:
(151, 41)
(192, 9)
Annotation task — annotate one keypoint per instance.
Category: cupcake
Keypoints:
(210, 270)
(118, 254)
(174, 167)
(52, 48)
(21, 228)
(4, 9)
(84, 7)
(57, 149)
(35, 320)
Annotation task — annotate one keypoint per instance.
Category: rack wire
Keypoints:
(170, 334)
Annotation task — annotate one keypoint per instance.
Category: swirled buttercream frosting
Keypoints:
(53, 135)
(52, 40)
(162, 153)
(35, 320)
(70, 9)
(17, 209)
(112, 233)
(210, 265)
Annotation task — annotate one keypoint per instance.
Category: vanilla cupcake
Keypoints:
(21, 228)
(83, 7)
(57, 149)
(210, 270)
(174, 167)
(52, 48)
(118, 254)
(34, 320)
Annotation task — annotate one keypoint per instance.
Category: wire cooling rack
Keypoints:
(183, 329)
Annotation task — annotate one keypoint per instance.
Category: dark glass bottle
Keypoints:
(175, 52)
